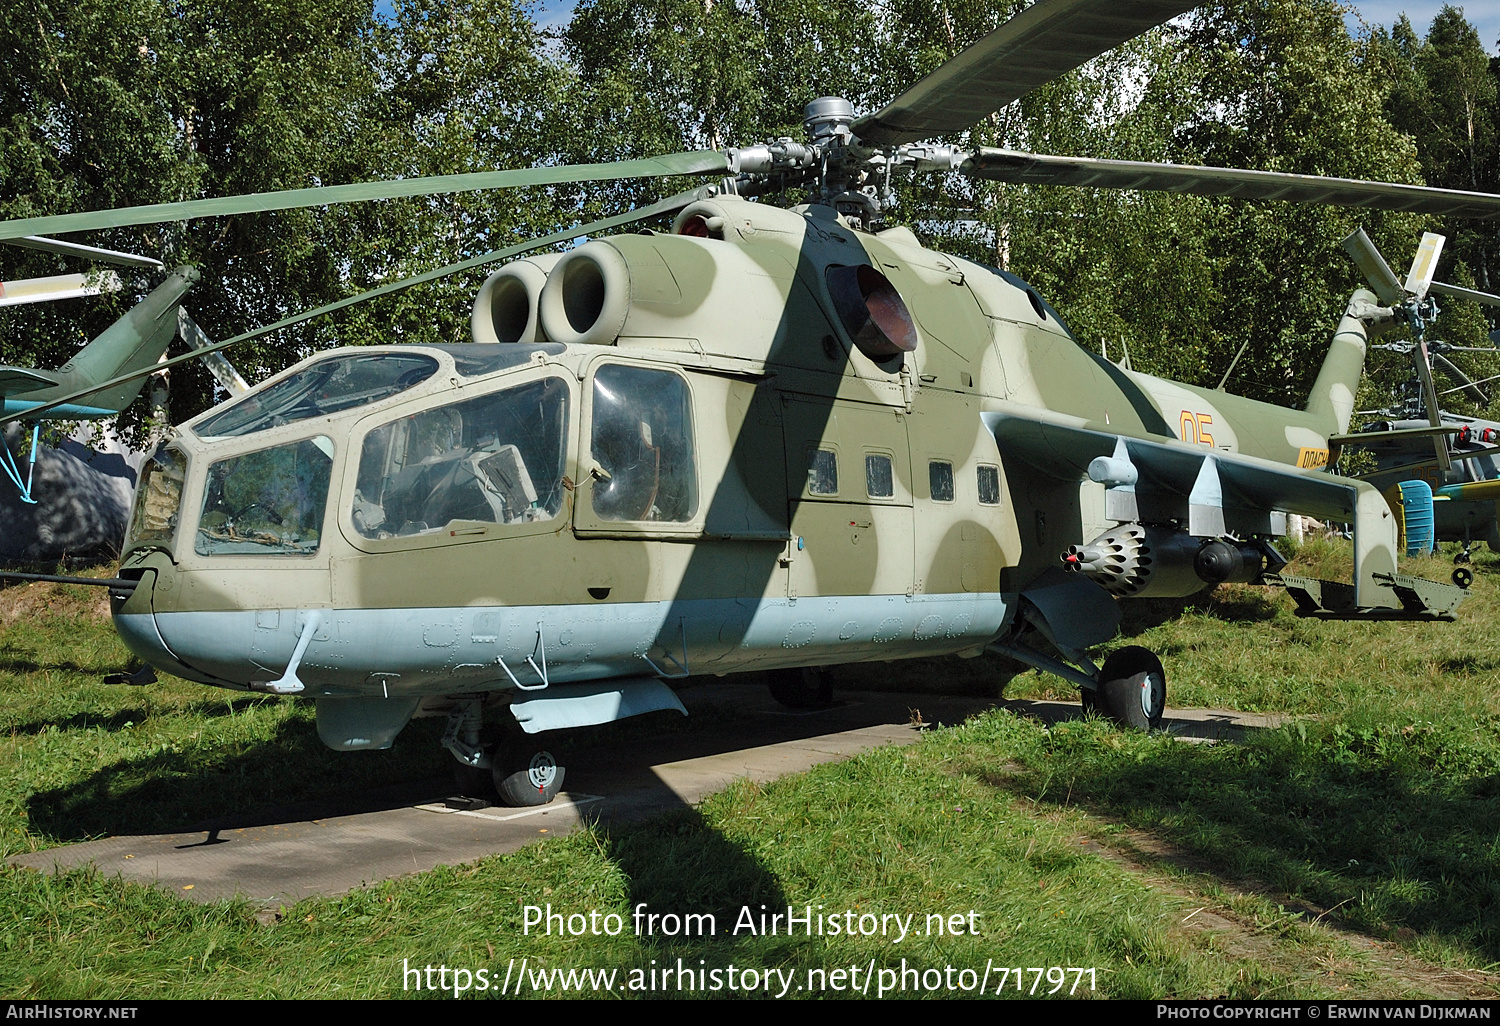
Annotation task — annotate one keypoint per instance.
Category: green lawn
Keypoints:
(1355, 852)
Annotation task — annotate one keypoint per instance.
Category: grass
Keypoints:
(1355, 852)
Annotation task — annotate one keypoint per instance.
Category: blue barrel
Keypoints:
(1416, 505)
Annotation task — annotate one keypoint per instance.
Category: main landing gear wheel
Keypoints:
(526, 776)
(1133, 688)
(802, 688)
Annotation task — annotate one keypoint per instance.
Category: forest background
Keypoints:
(142, 101)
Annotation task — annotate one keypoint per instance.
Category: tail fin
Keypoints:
(134, 342)
(1332, 398)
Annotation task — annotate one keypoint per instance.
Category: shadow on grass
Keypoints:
(1397, 828)
(171, 791)
(677, 865)
(120, 719)
(1238, 604)
(1471, 663)
(20, 663)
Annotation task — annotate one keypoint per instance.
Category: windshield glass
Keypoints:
(326, 387)
(154, 518)
(496, 459)
(269, 502)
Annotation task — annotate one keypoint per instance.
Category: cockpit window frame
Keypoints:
(203, 426)
(587, 522)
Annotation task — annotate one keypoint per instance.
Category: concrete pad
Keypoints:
(274, 857)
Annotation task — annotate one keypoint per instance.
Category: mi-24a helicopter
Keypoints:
(767, 439)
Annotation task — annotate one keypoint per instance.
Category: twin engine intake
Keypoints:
(578, 298)
(1140, 561)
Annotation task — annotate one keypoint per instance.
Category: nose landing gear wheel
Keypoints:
(1133, 688)
(526, 776)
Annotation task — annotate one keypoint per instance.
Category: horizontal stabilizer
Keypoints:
(19, 380)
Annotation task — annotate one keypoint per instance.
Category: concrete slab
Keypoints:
(274, 857)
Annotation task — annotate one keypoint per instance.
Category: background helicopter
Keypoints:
(1437, 468)
(675, 425)
(87, 493)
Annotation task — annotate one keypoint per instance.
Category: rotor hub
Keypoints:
(828, 118)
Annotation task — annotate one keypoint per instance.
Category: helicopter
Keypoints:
(766, 439)
(136, 341)
(1437, 469)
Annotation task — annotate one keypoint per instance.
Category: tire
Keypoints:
(1133, 688)
(526, 776)
(801, 688)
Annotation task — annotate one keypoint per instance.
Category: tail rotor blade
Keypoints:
(74, 249)
(1461, 293)
(1423, 360)
(217, 363)
(62, 286)
(1466, 384)
(1373, 266)
(1424, 264)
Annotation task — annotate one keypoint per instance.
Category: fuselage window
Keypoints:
(642, 445)
(940, 481)
(822, 472)
(989, 485)
(497, 459)
(879, 483)
(154, 518)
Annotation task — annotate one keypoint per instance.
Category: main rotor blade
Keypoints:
(695, 163)
(1046, 41)
(108, 256)
(1465, 384)
(1042, 169)
(671, 203)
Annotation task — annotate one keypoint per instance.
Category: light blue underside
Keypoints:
(445, 651)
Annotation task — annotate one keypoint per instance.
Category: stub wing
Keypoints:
(1210, 493)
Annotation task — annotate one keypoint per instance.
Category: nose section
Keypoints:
(135, 623)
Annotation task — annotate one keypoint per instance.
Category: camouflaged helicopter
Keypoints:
(1438, 470)
(767, 439)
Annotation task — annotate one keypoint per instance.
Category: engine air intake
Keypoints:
(872, 311)
(587, 296)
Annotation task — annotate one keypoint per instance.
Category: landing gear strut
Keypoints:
(513, 765)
